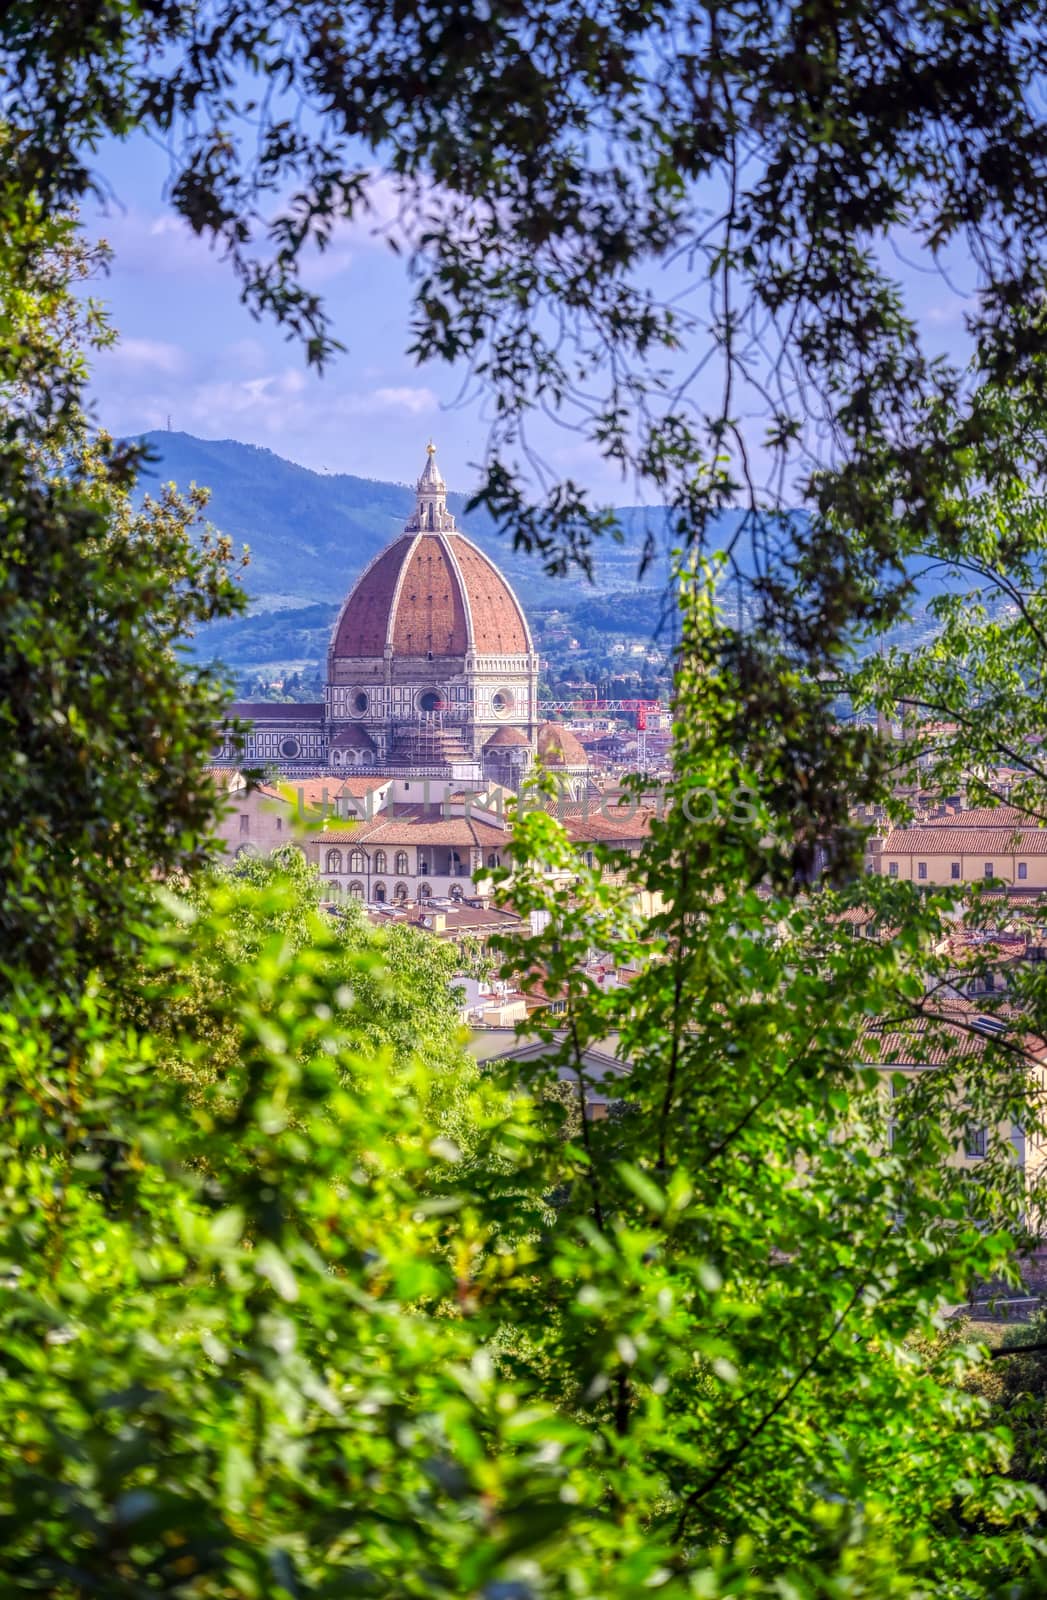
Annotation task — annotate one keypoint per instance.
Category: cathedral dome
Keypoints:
(431, 593)
(558, 747)
(505, 739)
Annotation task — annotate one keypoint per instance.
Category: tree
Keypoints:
(268, 1333)
(410, 1003)
(105, 728)
(754, 1184)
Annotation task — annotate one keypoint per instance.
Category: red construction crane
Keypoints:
(641, 707)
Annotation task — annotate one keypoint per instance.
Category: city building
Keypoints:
(431, 669)
(985, 845)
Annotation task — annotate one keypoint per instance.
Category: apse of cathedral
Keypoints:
(431, 669)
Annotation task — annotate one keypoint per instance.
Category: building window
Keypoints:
(975, 1143)
(356, 861)
(279, 824)
(456, 891)
(988, 869)
(492, 859)
(424, 891)
(402, 868)
(892, 869)
(921, 869)
(245, 822)
(334, 861)
(379, 861)
(379, 894)
(423, 864)
(356, 890)
(290, 748)
(589, 858)
(1023, 869)
(954, 869)
(400, 893)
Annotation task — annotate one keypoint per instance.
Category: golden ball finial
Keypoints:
(430, 448)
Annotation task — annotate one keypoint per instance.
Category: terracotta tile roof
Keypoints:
(455, 831)
(431, 593)
(429, 612)
(600, 829)
(971, 948)
(361, 629)
(505, 736)
(499, 625)
(969, 1029)
(978, 817)
(275, 711)
(314, 790)
(558, 747)
(956, 841)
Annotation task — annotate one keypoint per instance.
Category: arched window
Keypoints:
(379, 894)
(334, 861)
(356, 861)
(379, 861)
(400, 893)
(492, 859)
(424, 891)
(402, 869)
(456, 891)
(356, 890)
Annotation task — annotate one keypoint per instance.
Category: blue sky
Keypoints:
(190, 353)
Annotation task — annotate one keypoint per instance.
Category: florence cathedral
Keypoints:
(431, 669)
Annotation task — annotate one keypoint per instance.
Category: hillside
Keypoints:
(312, 533)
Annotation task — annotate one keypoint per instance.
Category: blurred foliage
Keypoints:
(294, 1301)
(104, 728)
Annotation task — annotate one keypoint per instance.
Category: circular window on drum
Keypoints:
(359, 703)
(431, 700)
(290, 748)
(503, 702)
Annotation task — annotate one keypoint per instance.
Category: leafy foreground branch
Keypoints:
(295, 1302)
(298, 1303)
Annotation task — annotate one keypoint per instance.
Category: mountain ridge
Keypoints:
(310, 534)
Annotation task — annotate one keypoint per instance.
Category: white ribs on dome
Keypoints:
(431, 664)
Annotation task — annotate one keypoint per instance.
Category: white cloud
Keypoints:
(157, 244)
(948, 313)
(413, 399)
(145, 356)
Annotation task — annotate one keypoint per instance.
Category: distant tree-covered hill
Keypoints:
(312, 533)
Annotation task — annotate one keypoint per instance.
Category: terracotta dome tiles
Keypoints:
(430, 616)
(558, 747)
(422, 594)
(498, 624)
(365, 616)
